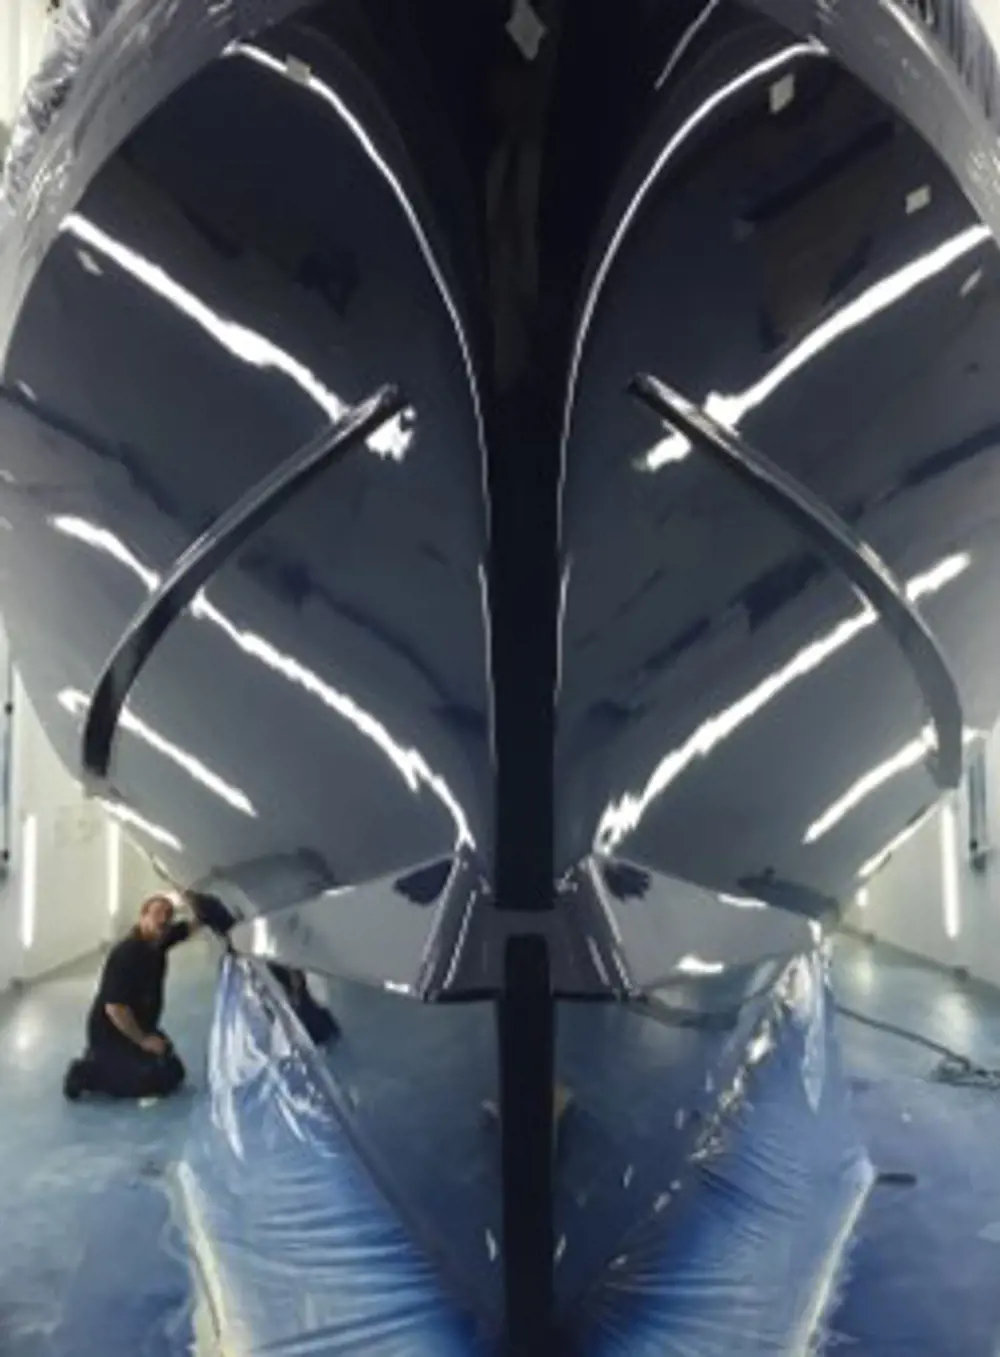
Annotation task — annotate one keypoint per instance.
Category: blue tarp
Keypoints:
(741, 1256)
(299, 1250)
(304, 1247)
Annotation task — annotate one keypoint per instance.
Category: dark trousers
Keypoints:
(124, 1071)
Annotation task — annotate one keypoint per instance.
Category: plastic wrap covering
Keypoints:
(110, 63)
(77, 25)
(742, 1203)
(297, 1248)
(958, 29)
(935, 61)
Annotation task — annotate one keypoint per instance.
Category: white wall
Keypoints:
(8, 898)
(59, 880)
(930, 900)
(74, 879)
(132, 879)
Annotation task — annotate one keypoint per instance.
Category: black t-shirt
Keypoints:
(133, 976)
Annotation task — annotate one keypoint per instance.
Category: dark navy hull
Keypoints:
(613, 653)
(278, 239)
(258, 256)
(786, 252)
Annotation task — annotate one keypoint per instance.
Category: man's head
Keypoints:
(155, 917)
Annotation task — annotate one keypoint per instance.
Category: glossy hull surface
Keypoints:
(788, 254)
(533, 691)
(276, 241)
(253, 260)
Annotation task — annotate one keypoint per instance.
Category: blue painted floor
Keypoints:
(90, 1262)
(924, 1275)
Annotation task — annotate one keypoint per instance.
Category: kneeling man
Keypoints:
(127, 1054)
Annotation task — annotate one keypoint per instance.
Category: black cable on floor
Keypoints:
(952, 1068)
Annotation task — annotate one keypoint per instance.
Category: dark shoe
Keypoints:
(77, 1080)
(175, 1073)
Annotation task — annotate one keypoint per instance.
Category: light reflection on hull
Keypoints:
(229, 311)
(717, 745)
(725, 716)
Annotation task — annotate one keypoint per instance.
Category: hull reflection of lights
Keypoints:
(391, 441)
(695, 965)
(305, 79)
(409, 762)
(484, 603)
(730, 410)
(687, 38)
(912, 753)
(565, 576)
(759, 71)
(102, 540)
(878, 860)
(622, 816)
(127, 816)
(742, 901)
(76, 703)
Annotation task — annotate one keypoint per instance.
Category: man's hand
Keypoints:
(124, 1019)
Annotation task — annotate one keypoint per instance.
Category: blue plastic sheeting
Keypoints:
(745, 1172)
(415, 1078)
(739, 1256)
(76, 26)
(299, 1250)
(110, 64)
(642, 1084)
(78, 1180)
